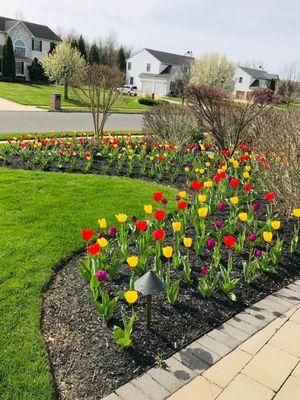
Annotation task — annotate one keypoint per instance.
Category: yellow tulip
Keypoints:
(243, 216)
(131, 296)
(102, 223)
(167, 251)
(132, 261)
(187, 242)
(102, 242)
(231, 160)
(248, 168)
(207, 164)
(186, 169)
(201, 171)
(296, 212)
(211, 156)
(176, 225)
(148, 209)
(246, 175)
(202, 198)
(275, 225)
(234, 200)
(122, 218)
(235, 164)
(208, 184)
(224, 167)
(151, 158)
(182, 194)
(202, 212)
(267, 236)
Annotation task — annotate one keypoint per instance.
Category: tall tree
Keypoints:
(94, 57)
(81, 47)
(288, 84)
(121, 59)
(9, 62)
(62, 63)
(36, 72)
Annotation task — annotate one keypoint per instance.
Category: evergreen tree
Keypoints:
(121, 59)
(94, 57)
(36, 72)
(9, 62)
(81, 47)
(74, 43)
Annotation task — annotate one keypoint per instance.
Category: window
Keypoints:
(240, 79)
(20, 48)
(36, 45)
(148, 67)
(131, 80)
(19, 68)
(129, 66)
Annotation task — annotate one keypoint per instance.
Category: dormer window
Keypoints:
(20, 48)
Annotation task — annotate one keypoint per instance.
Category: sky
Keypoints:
(262, 30)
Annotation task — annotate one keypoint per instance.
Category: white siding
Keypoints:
(139, 63)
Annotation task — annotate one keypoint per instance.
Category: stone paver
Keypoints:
(214, 346)
(179, 370)
(245, 388)
(288, 338)
(234, 332)
(198, 389)
(296, 317)
(290, 390)
(271, 366)
(256, 342)
(226, 369)
(222, 337)
(150, 387)
(296, 371)
(194, 363)
(165, 379)
(131, 392)
(112, 396)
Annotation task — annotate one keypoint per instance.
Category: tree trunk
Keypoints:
(66, 87)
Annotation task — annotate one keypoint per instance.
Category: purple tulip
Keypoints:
(134, 218)
(164, 201)
(259, 253)
(101, 235)
(101, 276)
(219, 224)
(177, 197)
(204, 270)
(221, 206)
(255, 207)
(252, 237)
(210, 243)
(112, 231)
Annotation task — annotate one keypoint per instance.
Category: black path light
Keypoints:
(148, 285)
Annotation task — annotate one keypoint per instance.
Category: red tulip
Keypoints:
(141, 225)
(158, 196)
(248, 187)
(87, 234)
(196, 185)
(182, 205)
(94, 249)
(159, 215)
(234, 182)
(159, 234)
(229, 241)
(270, 196)
(225, 153)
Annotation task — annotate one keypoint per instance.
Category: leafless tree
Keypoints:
(182, 80)
(95, 85)
(289, 82)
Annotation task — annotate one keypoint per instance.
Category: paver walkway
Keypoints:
(253, 356)
(7, 105)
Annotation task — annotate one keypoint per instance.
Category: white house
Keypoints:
(154, 72)
(248, 79)
(29, 41)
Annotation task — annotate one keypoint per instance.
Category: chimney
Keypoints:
(189, 53)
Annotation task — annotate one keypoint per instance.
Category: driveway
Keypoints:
(7, 105)
(36, 121)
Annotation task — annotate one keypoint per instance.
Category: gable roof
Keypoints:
(37, 30)
(170, 58)
(259, 73)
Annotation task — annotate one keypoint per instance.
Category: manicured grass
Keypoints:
(39, 95)
(172, 98)
(291, 106)
(41, 214)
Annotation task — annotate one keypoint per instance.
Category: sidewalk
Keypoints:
(7, 105)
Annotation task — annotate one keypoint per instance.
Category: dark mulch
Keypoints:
(85, 361)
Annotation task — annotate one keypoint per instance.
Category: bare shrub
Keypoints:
(277, 140)
(173, 123)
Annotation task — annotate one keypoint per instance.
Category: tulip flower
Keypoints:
(87, 234)
(243, 216)
(187, 241)
(248, 187)
(202, 198)
(159, 234)
(270, 196)
(234, 183)
(246, 175)
(275, 225)
(134, 218)
(102, 242)
(218, 224)
(94, 249)
(196, 185)
(176, 225)
(102, 223)
(122, 218)
(255, 207)
(159, 215)
(252, 237)
(247, 168)
(267, 236)
(296, 212)
(208, 184)
(234, 200)
(221, 206)
(259, 253)
(112, 231)
(164, 202)
(204, 270)
(141, 225)
(148, 209)
(229, 241)
(210, 243)
(167, 251)
(101, 276)
(132, 261)
(131, 296)
(158, 196)
(202, 212)
(182, 195)
(182, 205)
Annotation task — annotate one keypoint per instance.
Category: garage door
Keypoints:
(147, 87)
(160, 88)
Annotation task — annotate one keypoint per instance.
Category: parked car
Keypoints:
(128, 90)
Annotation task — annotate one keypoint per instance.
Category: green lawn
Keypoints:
(39, 95)
(41, 214)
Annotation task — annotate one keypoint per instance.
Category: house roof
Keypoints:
(259, 73)
(37, 30)
(170, 58)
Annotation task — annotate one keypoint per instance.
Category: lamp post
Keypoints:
(148, 285)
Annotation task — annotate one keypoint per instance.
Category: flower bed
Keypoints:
(220, 249)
